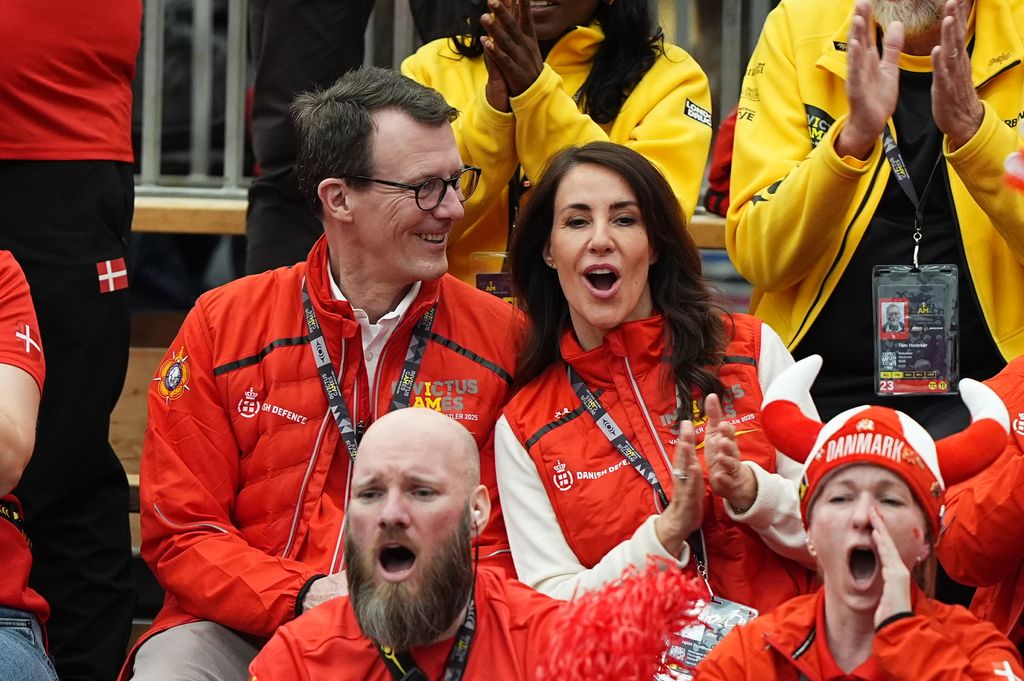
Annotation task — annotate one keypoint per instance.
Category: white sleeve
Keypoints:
(775, 513)
(542, 557)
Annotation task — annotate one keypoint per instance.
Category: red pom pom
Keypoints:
(621, 632)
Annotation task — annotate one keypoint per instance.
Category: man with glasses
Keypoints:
(257, 411)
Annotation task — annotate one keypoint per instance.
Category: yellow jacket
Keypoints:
(798, 211)
(654, 121)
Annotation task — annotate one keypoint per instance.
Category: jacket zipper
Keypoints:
(970, 280)
(842, 249)
(703, 569)
(650, 423)
(312, 461)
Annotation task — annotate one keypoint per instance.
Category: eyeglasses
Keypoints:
(430, 192)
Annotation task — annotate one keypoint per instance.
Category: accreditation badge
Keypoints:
(716, 619)
(916, 329)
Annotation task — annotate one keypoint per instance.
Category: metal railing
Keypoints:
(390, 37)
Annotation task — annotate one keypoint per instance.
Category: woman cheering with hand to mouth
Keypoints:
(871, 497)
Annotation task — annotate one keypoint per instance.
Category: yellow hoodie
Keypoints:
(666, 118)
(798, 210)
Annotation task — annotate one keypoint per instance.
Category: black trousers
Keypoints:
(296, 45)
(61, 218)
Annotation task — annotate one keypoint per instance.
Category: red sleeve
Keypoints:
(982, 541)
(19, 332)
(190, 472)
(956, 648)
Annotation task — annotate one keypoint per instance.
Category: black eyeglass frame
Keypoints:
(416, 188)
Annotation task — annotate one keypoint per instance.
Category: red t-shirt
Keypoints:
(19, 347)
(513, 622)
(66, 70)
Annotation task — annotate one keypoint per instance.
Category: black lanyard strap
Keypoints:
(642, 466)
(902, 175)
(403, 667)
(332, 386)
(615, 435)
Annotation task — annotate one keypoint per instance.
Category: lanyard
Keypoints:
(403, 667)
(902, 174)
(622, 444)
(615, 435)
(331, 385)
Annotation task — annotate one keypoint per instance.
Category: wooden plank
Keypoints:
(708, 231)
(128, 421)
(182, 215)
(175, 215)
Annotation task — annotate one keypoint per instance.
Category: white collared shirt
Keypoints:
(376, 335)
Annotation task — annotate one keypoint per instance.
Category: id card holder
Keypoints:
(916, 329)
(716, 619)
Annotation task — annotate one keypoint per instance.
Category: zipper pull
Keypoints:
(360, 429)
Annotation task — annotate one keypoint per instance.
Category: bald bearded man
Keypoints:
(416, 599)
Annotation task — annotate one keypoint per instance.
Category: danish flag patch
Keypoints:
(113, 275)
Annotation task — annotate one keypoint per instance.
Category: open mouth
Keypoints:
(433, 238)
(396, 558)
(602, 278)
(863, 564)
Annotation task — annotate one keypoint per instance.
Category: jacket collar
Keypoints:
(641, 342)
(337, 314)
(576, 49)
(798, 626)
(996, 42)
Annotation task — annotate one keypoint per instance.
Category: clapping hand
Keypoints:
(728, 478)
(510, 49)
(872, 82)
(685, 512)
(956, 107)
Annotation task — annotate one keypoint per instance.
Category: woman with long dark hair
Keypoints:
(628, 359)
(531, 78)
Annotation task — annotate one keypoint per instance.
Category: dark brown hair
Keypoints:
(696, 337)
(334, 127)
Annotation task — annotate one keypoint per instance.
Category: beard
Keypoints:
(403, 615)
(917, 16)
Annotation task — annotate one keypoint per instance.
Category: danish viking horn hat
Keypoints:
(883, 437)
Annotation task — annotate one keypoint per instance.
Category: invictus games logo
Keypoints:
(172, 378)
(1018, 424)
(818, 123)
(249, 406)
(562, 477)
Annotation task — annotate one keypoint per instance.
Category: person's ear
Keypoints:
(335, 196)
(548, 258)
(810, 548)
(479, 509)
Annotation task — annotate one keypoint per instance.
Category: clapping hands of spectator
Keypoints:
(510, 50)
(955, 105)
(685, 512)
(728, 478)
(872, 82)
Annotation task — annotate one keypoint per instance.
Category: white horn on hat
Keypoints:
(967, 453)
(787, 427)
